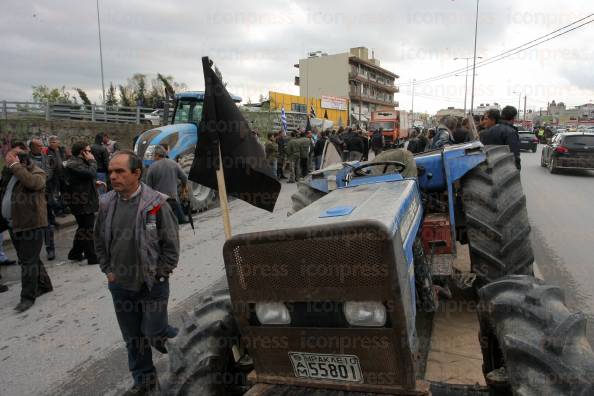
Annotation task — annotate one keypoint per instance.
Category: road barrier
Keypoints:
(69, 111)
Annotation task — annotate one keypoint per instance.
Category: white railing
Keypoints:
(65, 111)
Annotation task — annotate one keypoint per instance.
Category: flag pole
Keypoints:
(223, 197)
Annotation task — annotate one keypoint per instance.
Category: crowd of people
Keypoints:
(73, 179)
(127, 226)
(296, 153)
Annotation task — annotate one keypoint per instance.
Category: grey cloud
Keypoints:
(255, 44)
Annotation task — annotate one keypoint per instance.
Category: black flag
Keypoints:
(326, 114)
(247, 174)
(308, 126)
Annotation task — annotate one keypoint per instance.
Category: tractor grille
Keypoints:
(351, 260)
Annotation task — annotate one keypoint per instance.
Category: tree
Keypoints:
(42, 93)
(125, 96)
(110, 97)
(83, 96)
(138, 85)
(167, 81)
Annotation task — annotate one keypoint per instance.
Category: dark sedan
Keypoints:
(528, 141)
(570, 150)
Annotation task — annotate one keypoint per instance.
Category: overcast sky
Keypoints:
(255, 44)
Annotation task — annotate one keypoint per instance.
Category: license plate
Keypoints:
(327, 367)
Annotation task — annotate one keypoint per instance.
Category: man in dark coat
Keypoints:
(81, 196)
(56, 184)
(101, 155)
(462, 133)
(501, 131)
(354, 145)
(319, 148)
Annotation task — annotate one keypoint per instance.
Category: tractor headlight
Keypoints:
(365, 313)
(273, 313)
(149, 154)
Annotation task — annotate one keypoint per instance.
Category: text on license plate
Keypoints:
(330, 367)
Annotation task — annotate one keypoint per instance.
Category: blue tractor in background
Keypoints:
(342, 297)
(181, 136)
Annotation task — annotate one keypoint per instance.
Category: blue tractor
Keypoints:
(181, 136)
(342, 297)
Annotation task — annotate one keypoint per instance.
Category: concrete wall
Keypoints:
(324, 75)
(68, 131)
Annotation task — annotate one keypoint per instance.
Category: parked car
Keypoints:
(569, 150)
(528, 141)
(155, 117)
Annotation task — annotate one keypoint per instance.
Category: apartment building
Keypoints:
(353, 75)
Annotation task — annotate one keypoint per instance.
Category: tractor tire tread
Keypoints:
(543, 345)
(497, 220)
(304, 196)
(201, 351)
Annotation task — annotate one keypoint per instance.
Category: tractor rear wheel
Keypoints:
(201, 197)
(304, 196)
(497, 226)
(201, 360)
(531, 343)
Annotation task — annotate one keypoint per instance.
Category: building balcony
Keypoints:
(358, 97)
(354, 76)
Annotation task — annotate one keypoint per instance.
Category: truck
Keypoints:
(357, 292)
(393, 129)
(180, 133)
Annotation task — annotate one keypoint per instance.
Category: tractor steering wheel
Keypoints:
(400, 167)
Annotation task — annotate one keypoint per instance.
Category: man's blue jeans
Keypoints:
(142, 317)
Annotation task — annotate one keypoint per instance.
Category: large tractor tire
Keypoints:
(304, 196)
(532, 344)
(201, 360)
(497, 227)
(201, 197)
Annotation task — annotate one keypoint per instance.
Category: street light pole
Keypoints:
(100, 53)
(474, 58)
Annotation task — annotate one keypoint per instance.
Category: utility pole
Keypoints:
(413, 103)
(474, 58)
(519, 99)
(524, 122)
(466, 80)
(100, 53)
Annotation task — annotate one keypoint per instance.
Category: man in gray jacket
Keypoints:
(137, 244)
(163, 176)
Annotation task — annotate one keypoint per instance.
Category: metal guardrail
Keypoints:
(10, 110)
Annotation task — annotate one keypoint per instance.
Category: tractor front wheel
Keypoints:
(532, 344)
(304, 196)
(201, 359)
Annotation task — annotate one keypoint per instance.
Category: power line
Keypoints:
(509, 52)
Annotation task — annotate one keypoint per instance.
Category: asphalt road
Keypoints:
(561, 213)
(69, 342)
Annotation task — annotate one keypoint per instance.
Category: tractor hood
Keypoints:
(181, 139)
